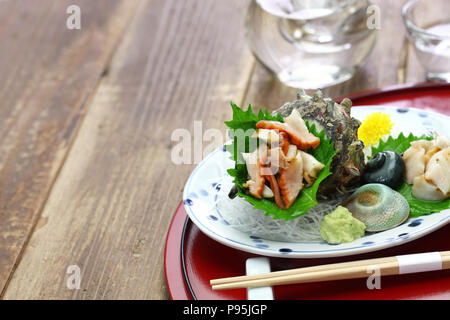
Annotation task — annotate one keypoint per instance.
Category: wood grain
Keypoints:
(111, 206)
(48, 73)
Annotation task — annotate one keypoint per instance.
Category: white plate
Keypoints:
(202, 187)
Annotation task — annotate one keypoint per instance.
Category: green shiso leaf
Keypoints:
(247, 119)
(324, 153)
(399, 144)
(417, 207)
(241, 127)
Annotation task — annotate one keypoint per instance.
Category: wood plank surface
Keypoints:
(86, 174)
(48, 73)
(112, 203)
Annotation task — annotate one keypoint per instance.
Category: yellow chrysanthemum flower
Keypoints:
(374, 127)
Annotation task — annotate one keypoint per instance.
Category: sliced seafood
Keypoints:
(285, 142)
(291, 181)
(424, 190)
(428, 168)
(311, 167)
(425, 144)
(278, 167)
(296, 128)
(414, 159)
(276, 191)
(378, 207)
(438, 170)
(291, 152)
(256, 182)
(267, 192)
(284, 173)
(272, 161)
(442, 142)
(271, 137)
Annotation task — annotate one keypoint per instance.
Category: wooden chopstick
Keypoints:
(336, 271)
(302, 270)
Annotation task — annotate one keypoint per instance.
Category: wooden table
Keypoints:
(86, 117)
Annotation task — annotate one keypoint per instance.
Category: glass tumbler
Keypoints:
(428, 25)
(310, 44)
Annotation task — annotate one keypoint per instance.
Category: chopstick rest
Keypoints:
(258, 266)
(420, 262)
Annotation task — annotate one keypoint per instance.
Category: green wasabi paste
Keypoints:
(340, 226)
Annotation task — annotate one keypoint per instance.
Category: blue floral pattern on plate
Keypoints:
(200, 195)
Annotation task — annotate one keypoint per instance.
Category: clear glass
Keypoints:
(310, 44)
(428, 26)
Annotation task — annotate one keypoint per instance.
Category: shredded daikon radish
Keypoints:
(242, 216)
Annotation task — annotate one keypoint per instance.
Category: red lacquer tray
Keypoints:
(192, 259)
